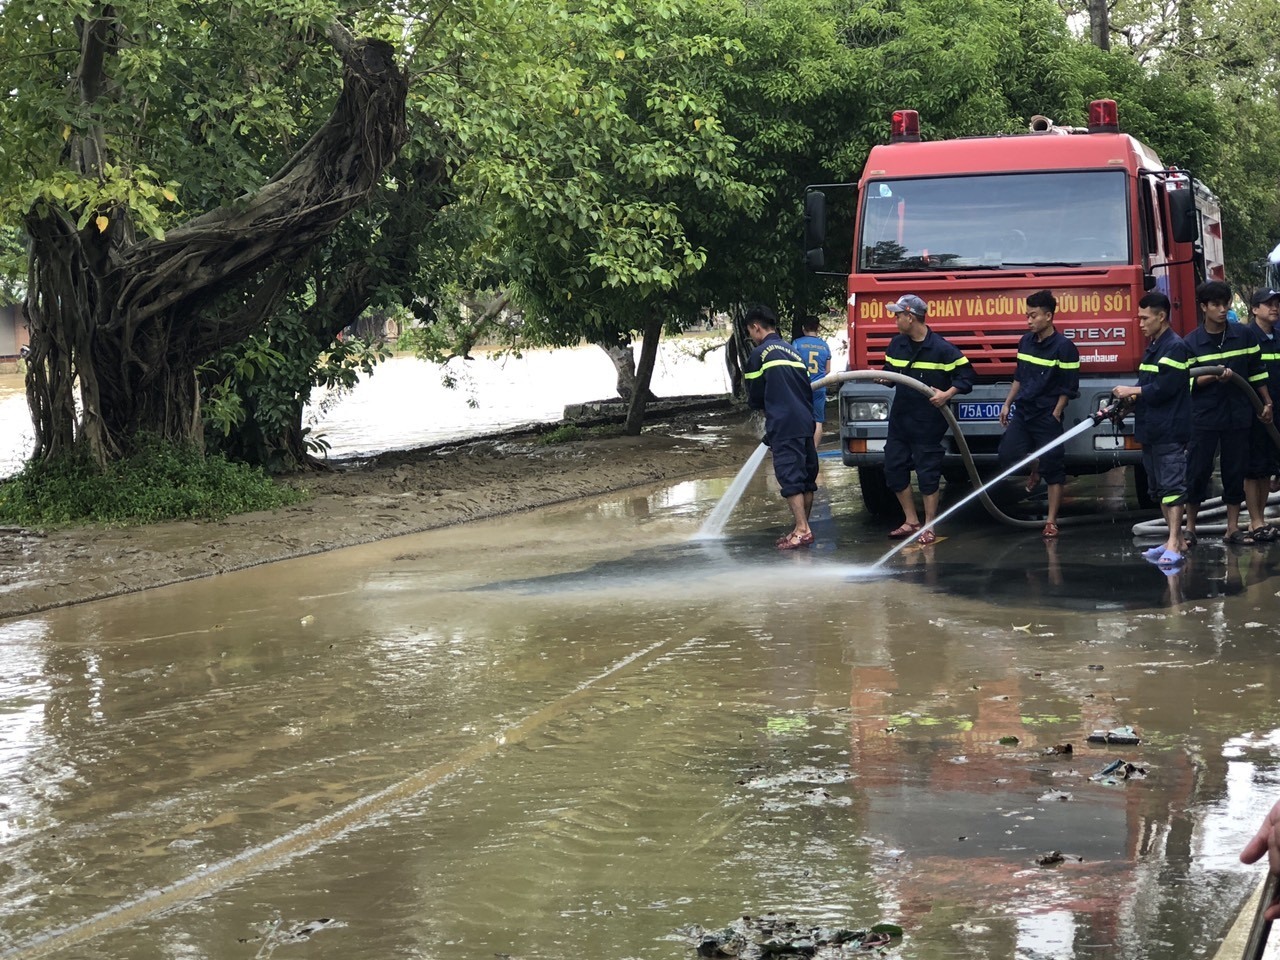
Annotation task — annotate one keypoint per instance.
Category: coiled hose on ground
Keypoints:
(1208, 510)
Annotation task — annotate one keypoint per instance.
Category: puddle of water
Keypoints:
(799, 741)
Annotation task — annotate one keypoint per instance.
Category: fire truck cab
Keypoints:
(973, 226)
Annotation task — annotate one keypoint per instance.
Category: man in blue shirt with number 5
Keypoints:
(816, 355)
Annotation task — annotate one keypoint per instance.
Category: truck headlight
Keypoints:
(868, 410)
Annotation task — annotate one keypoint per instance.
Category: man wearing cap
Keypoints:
(1264, 457)
(777, 382)
(1046, 378)
(916, 425)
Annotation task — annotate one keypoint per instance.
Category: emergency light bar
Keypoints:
(1104, 117)
(905, 126)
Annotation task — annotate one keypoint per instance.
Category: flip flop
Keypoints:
(927, 538)
(1238, 538)
(1050, 531)
(1168, 559)
(1154, 553)
(904, 531)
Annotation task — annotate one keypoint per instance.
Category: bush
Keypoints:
(160, 482)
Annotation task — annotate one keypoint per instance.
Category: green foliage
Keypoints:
(565, 433)
(601, 163)
(13, 265)
(569, 432)
(255, 391)
(1206, 73)
(160, 482)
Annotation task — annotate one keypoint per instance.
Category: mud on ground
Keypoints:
(362, 501)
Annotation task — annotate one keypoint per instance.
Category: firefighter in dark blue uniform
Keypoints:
(1264, 458)
(1162, 421)
(1046, 378)
(777, 382)
(1221, 413)
(916, 425)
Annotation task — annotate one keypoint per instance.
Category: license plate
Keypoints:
(978, 410)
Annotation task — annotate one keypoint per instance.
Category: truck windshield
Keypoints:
(1072, 219)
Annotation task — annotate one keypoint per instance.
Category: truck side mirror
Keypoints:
(1183, 225)
(815, 229)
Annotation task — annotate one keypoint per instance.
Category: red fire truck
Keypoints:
(975, 225)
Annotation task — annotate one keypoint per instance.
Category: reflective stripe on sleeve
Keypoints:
(1044, 362)
(925, 365)
(1211, 357)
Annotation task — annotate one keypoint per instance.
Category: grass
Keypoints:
(568, 432)
(159, 482)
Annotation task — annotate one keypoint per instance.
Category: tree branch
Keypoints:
(332, 174)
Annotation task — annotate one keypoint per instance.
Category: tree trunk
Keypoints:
(123, 324)
(344, 283)
(1099, 24)
(644, 376)
(736, 351)
(623, 359)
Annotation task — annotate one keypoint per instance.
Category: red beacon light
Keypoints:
(1104, 117)
(905, 126)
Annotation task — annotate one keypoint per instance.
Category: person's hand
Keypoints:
(1004, 415)
(939, 398)
(1266, 414)
(1226, 374)
(1266, 840)
(1057, 415)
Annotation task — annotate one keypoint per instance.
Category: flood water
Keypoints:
(407, 402)
(574, 733)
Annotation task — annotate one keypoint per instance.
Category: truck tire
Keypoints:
(876, 495)
(1140, 487)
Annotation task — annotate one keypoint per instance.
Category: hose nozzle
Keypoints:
(1114, 410)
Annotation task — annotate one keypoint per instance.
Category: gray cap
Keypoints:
(909, 303)
(1262, 296)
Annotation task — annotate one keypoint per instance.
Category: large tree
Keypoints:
(122, 111)
(610, 157)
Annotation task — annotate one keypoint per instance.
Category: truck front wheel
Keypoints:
(876, 495)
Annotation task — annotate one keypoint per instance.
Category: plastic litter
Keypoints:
(1122, 735)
